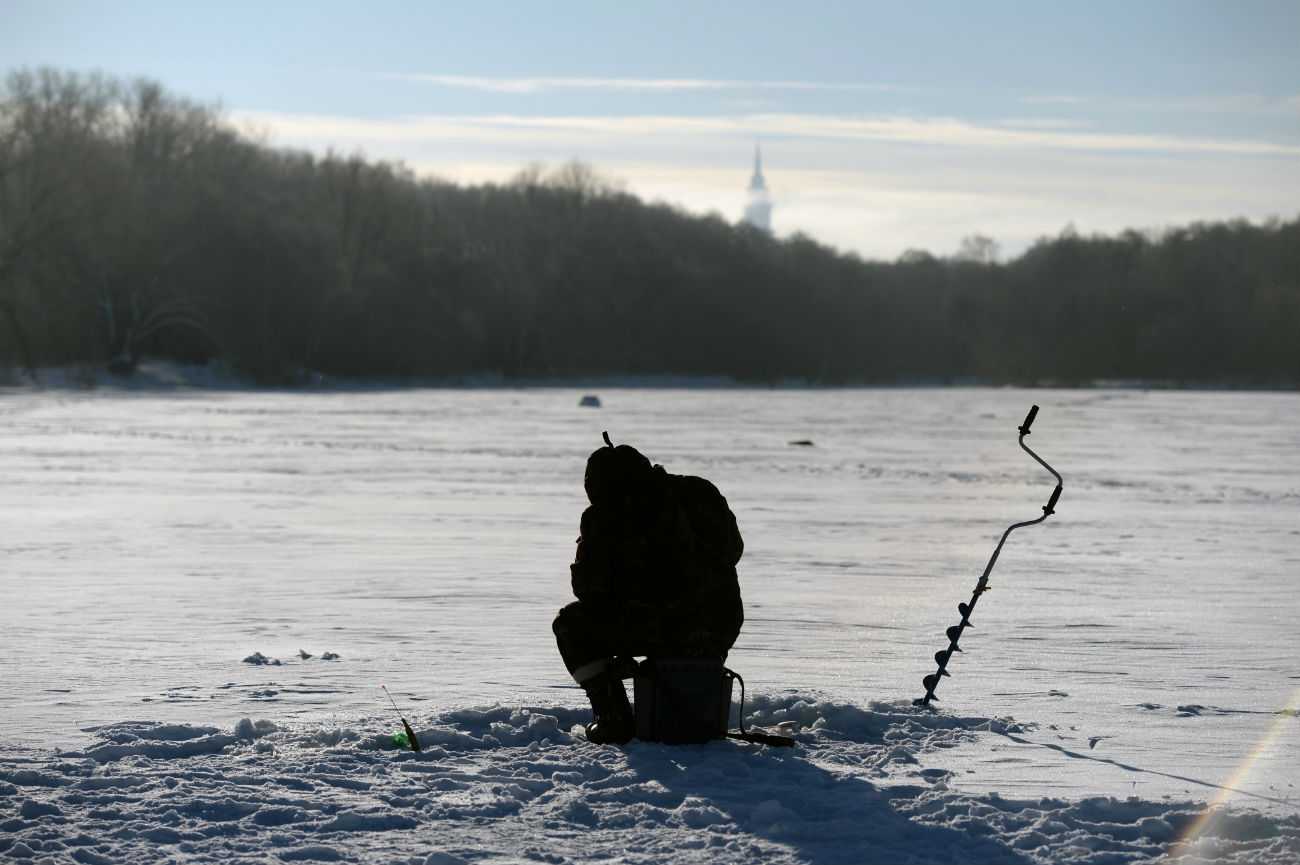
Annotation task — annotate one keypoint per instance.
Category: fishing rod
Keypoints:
(410, 734)
(942, 656)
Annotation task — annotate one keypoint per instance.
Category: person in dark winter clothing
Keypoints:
(654, 575)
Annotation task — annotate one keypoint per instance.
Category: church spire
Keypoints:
(758, 210)
(756, 182)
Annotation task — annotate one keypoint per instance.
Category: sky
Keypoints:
(883, 126)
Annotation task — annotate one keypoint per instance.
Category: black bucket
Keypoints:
(682, 701)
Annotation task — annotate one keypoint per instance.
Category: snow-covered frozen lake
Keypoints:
(1133, 669)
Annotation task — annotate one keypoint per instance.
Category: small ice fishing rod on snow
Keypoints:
(954, 633)
(410, 734)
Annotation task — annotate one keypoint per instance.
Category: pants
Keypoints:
(587, 632)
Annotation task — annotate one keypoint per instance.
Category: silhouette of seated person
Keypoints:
(654, 575)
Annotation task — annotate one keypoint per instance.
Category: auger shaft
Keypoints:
(954, 633)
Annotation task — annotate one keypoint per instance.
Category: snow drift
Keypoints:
(521, 784)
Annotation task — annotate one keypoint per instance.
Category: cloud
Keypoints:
(548, 84)
(1249, 104)
(947, 132)
(1244, 104)
(1044, 123)
(1055, 100)
(540, 85)
(958, 133)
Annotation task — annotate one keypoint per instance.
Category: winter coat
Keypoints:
(660, 545)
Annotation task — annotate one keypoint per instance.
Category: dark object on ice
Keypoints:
(590, 401)
(258, 658)
(410, 734)
(954, 633)
(304, 654)
(802, 443)
(329, 656)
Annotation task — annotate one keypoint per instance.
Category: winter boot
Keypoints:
(614, 722)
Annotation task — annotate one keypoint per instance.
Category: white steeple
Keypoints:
(758, 210)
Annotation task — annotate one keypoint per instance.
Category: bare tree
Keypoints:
(979, 249)
(51, 126)
(158, 225)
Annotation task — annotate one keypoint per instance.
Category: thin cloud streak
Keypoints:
(1250, 104)
(1056, 100)
(1051, 123)
(921, 131)
(1240, 104)
(543, 84)
(957, 133)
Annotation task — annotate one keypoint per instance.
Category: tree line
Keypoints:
(133, 222)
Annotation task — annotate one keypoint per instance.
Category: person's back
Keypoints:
(654, 574)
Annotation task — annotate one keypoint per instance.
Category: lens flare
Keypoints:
(1207, 824)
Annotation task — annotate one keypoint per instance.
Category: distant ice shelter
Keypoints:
(758, 208)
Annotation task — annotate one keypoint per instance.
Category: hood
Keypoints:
(613, 473)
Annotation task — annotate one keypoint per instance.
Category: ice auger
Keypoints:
(954, 633)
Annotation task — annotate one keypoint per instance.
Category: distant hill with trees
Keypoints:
(133, 222)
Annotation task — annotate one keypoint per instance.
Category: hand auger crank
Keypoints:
(954, 633)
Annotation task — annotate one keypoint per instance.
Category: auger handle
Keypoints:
(1029, 419)
(1051, 503)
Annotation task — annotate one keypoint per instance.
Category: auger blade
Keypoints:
(965, 608)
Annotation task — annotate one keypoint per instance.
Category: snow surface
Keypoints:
(205, 588)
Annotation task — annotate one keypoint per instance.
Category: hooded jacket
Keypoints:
(655, 541)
